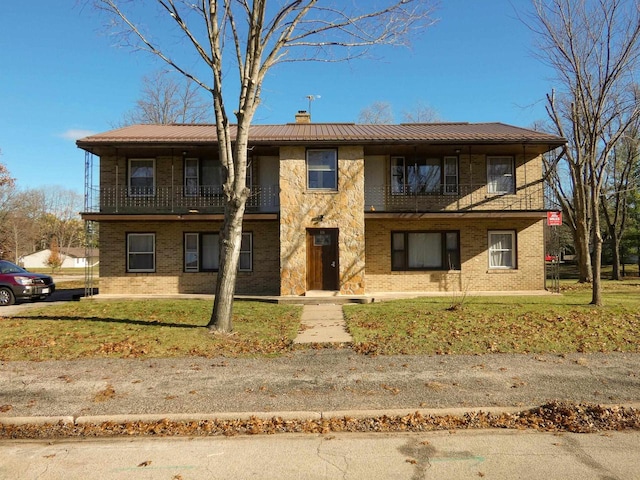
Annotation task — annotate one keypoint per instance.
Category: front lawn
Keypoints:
(145, 328)
(502, 324)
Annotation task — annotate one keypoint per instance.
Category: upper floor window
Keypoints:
(141, 252)
(142, 177)
(322, 169)
(204, 177)
(500, 175)
(424, 175)
(502, 248)
(425, 251)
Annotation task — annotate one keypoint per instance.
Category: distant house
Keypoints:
(348, 208)
(74, 257)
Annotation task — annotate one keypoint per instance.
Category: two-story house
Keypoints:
(350, 208)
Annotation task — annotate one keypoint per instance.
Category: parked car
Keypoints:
(16, 283)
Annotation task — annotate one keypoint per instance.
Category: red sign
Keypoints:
(554, 219)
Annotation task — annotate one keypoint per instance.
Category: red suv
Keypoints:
(18, 284)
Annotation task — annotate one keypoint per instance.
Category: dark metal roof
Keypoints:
(335, 133)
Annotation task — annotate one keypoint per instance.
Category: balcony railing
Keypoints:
(381, 198)
(178, 200)
(451, 198)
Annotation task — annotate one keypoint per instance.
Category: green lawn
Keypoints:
(145, 328)
(443, 325)
(476, 325)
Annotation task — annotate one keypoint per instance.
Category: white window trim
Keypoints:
(249, 252)
(198, 252)
(335, 170)
(445, 186)
(129, 253)
(490, 188)
(514, 262)
(188, 193)
(153, 187)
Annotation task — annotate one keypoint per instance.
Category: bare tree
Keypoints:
(165, 100)
(250, 38)
(378, 113)
(593, 47)
(382, 113)
(421, 113)
(618, 188)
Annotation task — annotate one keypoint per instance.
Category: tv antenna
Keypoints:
(311, 98)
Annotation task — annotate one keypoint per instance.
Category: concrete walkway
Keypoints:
(323, 323)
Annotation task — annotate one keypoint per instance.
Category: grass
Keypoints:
(149, 328)
(436, 325)
(544, 324)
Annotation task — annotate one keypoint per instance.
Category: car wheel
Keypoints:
(6, 297)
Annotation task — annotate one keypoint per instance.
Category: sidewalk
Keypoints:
(323, 323)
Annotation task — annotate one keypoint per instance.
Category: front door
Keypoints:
(322, 259)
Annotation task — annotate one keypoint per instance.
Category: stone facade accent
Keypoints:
(301, 209)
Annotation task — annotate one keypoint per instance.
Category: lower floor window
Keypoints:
(202, 252)
(425, 250)
(502, 247)
(141, 252)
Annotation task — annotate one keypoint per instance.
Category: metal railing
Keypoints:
(178, 199)
(382, 198)
(386, 198)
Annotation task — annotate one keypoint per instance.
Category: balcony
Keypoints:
(452, 198)
(164, 200)
(265, 199)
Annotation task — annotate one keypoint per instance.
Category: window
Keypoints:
(204, 177)
(191, 176)
(425, 251)
(500, 176)
(202, 252)
(141, 252)
(142, 173)
(424, 175)
(322, 169)
(502, 249)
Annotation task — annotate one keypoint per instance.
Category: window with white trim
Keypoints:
(502, 249)
(322, 169)
(141, 252)
(425, 250)
(410, 176)
(202, 252)
(142, 177)
(500, 175)
(204, 177)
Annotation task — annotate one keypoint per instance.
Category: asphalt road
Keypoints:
(313, 380)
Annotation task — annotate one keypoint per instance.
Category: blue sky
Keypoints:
(61, 76)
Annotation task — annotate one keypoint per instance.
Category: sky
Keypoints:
(63, 76)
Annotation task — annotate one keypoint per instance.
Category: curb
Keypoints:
(284, 415)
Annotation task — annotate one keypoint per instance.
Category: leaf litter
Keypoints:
(551, 417)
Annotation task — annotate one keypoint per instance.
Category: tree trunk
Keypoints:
(596, 297)
(581, 242)
(230, 241)
(616, 273)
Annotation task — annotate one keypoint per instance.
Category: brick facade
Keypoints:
(170, 277)
(474, 274)
(364, 210)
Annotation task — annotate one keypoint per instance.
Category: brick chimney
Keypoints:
(303, 117)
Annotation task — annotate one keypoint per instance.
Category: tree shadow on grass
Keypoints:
(125, 321)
